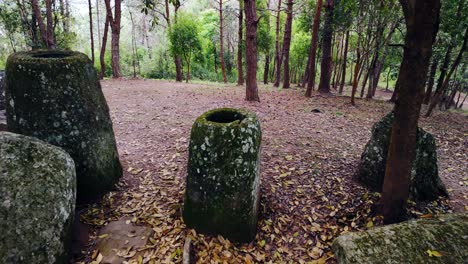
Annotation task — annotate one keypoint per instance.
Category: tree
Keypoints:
(114, 22)
(325, 67)
(183, 36)
(103, 49)
(310, 69)
(422, 23)
(251, 22)
(345, 58)
(240, 73)
(221, 41)
(287, 43)
(278, 54)
(47, 33)
(91, 35)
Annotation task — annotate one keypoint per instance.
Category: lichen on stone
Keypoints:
(425, 181)
(407, 242)
(223, 174)
(37, 200)
(56, 96)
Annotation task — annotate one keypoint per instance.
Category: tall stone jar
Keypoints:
(56, 96)
(223, 174)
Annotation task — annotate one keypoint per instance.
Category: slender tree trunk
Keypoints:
(430, 83)
(325, 67)
(114, 22)
(267, 68)
(103, 49)
(422, 23)
(310, 69)
(133, 44)
(221, 41)
(50, 24)
(357, 66)
(90, 7)
(40, 22)
(98, 17)
(345, 58)
(339, 47)
(278, 56)
(287, 44)
(148, 45)
(251, 23)
(438, 94)
(240, 71)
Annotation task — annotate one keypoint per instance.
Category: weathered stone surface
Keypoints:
(223, 170)
(425, 181)
(56, 96)
(407, 242)
(121, 239)
(37, 200)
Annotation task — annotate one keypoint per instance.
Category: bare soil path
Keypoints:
(308, 196)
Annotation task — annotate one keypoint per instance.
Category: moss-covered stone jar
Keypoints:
(223, 174)
(37, 201)
(56, 96)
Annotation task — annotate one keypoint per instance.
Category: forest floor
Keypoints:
(308, 196)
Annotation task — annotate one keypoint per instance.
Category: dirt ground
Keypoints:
(308, 196)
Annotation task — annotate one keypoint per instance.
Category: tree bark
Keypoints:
(114, 22)
(430, 82)
(50, 25)
(40, 23)
(345, 58)
(267, 69)
(90, 8)
(422, 23)
(221, 42)
(278, 56)
(103, 49)
(325, 67)
(287, 44)
(251, 23)
(240, 71)
(310, 68)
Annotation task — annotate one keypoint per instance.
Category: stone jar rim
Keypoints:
(223, 117)
(47, 57)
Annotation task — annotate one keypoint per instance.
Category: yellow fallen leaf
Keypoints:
(433, 253)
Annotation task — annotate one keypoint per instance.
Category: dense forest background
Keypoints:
(367, 39)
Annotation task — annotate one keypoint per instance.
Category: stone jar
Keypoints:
(223, 174)
(56, 96)
(37, 200)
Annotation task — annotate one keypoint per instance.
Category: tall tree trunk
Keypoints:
(438, 94)
(310, 69)
(267, 69)
(325, 67)
(430, 82)
(98, 17)
(40, 22)
(240, 72)
(90, 8)
(114, 22)
(148, 45)
(103, 49)
(345, 58)
(278, 56)
(287, 44)
(251, 23)
(50, 25)
(177, 59)
(422, 23)
(339, 50)
(221, 41)
(357, 66)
